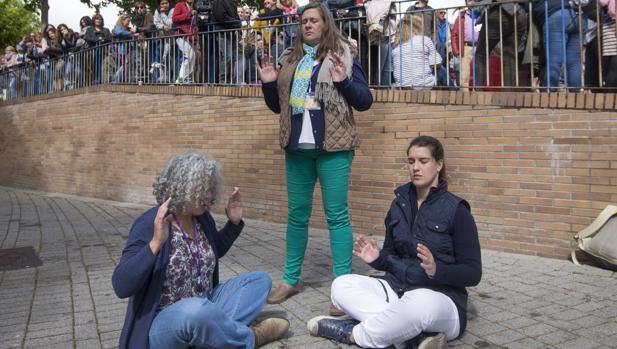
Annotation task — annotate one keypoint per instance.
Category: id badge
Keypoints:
(310, 103)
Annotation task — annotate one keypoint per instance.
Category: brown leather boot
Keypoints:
(334, 311)
(282, 292)
(269, 330)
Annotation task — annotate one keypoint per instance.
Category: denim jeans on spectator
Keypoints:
(67, 72)
(251, 69)
(209, 54)
(228, 64)
(12, 85)
(381, 69)
(555, 31)
(98, 64)
(443, 79)
(219, 321)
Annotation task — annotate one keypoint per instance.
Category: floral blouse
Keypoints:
(189, 272)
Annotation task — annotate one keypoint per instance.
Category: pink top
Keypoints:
(611, 6)
(470, 34)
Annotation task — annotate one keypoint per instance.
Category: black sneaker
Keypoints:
(332, 328)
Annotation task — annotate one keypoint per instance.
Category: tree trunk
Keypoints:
(44, 12)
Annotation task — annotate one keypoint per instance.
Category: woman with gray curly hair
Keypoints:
(169, 268)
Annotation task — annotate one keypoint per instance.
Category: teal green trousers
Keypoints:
(302, 169)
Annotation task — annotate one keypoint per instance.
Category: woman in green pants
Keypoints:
(314, 87)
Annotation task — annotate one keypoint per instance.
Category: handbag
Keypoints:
(599, 239)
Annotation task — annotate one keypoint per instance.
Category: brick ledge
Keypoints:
(555, 100)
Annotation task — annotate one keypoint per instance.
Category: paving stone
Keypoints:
(522, 301)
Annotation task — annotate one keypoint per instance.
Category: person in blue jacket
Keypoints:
(430, 254)
(314, 88)
(169, 268)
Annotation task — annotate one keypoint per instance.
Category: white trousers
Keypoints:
(387, 320)
(188, 59)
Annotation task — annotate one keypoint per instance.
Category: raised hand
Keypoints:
(234, 207)
(366, 249)
(337, 71)
(267, 71)
(161, 227)
(428, 262)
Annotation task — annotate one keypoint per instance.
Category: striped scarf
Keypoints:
(302, 79)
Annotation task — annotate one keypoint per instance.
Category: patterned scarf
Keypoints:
(302, 79)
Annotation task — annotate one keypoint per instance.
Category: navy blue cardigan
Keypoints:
(354, 90)
(140, 274)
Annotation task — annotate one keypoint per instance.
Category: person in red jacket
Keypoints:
(184, 25)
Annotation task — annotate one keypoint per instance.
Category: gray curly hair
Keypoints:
(188, 178)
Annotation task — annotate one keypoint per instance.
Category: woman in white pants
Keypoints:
(182, 18)
(430, 254)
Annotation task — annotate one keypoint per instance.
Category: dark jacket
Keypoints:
(145, 24)
(140, 274)
(443, 224)
(226, 14)
(69, 43)
(54, 49)
(94, 38)
(355, 91)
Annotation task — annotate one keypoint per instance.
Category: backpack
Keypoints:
(599, 239)
(204, 12)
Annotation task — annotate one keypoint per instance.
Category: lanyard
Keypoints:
(315, 69)
(195, 256)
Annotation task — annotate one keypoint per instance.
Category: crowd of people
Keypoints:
(552, 44)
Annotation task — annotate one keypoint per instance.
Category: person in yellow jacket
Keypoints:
(267, 22)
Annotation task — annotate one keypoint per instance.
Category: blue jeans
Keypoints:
(219, 321)
(228, 63)
(562, 48)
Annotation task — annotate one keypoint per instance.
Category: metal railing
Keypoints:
(543, 45)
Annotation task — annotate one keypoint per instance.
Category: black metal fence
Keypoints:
(540, 45)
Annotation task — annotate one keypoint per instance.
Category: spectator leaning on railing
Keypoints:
(414, 56)
(84, 23)
(464, 37)
(97, 34)
(183, 23)
(501, 21)
(162, 64)
(143, 20)
(54, 54)
(123, 34)
(69, 43)
(267, 21)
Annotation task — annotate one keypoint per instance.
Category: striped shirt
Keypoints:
(413, 61)
(609, 39)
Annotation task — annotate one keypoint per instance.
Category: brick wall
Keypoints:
(534, 176)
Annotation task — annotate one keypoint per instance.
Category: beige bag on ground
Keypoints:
(599, 239)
